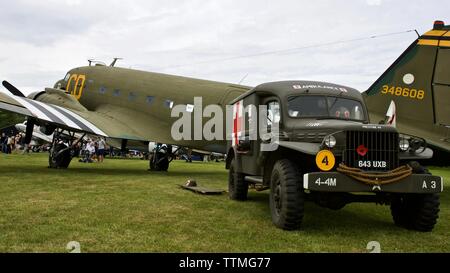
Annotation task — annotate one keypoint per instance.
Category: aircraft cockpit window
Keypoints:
(67, 77)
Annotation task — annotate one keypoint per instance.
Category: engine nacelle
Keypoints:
(35, 95)
(47, 129)
(59, 97)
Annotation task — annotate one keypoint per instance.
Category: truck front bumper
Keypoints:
(338, 182)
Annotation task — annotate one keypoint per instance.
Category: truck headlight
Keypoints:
(403, 144)
(330, 141)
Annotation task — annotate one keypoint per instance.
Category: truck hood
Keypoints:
(315, 130)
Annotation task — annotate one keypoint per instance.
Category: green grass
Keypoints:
(120, 207)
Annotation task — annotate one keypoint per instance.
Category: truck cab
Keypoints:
(314, 141)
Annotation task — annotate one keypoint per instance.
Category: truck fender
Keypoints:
(230, 156)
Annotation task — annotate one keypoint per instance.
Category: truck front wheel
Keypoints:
(237, 186)
(416, 211)
(286, 195)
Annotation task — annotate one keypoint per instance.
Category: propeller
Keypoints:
(29, 130)
(11, 88)
(30, 121)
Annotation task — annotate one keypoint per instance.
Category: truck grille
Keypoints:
(371, 150)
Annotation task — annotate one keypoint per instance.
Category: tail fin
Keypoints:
(419, 84)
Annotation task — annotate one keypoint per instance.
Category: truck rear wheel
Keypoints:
(286, 195)
(416, 211)
(237, 186)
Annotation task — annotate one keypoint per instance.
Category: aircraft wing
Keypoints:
(77, 121)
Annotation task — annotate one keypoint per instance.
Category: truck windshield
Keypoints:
(325, 107)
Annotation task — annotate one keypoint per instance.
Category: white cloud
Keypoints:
(374, 2)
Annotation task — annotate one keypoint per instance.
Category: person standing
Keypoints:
(3, 142)
(101, 149)
(90, 150)
(17, 141)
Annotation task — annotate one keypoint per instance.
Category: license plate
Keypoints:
(372, 164)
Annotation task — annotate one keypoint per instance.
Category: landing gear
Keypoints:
(161, 157)
(61, 152)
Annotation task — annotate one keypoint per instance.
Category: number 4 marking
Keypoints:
(325, 160)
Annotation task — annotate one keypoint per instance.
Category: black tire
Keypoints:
(151, 163)
(163, 165)
(159, 165)
(286, 195)
(416, 211)
(59, 160)
(237, 186)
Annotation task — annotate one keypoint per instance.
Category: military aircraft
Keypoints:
(37, 134)
(132, 105)
(418, 83)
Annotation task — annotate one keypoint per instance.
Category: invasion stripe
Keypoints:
(61, 116)
(46, 112)
(79, 123)
(85, 123)
(35, 111)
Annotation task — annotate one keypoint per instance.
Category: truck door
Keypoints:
(244, 139)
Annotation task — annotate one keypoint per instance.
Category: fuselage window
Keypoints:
(102, 90)
(131, 96)
(169, 104)
(189, 108)
(116, 93)
(150, 99)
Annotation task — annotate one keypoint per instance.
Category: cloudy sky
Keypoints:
(41, 40)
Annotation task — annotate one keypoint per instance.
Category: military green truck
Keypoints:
(326, 150)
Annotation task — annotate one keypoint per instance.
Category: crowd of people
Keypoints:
(13, 143)
(89, 150)
(92, 150)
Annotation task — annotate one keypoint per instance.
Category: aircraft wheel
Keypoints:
(416, 211)
(151, 162)
(58, 159)
(286, 195)
(158, 164)
(237, 186)
(163, 165)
